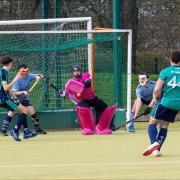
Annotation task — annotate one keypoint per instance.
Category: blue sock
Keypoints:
(162, 136)
(152, 131)
(20, 121)
(6, 122)
(130, 118)
(24, 123)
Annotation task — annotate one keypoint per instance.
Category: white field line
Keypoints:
(89, 164)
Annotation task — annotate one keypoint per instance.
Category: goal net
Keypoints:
(51, 47)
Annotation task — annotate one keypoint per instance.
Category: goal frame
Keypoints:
(89, 32)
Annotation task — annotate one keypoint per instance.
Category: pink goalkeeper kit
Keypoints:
(85, 115)
(74, 86)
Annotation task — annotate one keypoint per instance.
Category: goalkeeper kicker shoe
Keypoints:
(29, 134)
(15, 135)
(151, 148)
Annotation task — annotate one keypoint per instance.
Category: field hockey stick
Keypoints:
(31, 88)
(123, 124)
(127, 122)
(58, 90)
(53, 86)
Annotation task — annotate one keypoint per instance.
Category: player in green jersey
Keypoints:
(166, 108)
(5, 87)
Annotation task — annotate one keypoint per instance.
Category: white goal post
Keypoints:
(59, 29)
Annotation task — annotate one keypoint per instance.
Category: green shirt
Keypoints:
(3, 77)
(171, 90)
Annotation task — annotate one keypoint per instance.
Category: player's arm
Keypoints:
(158, 89)
(16, 90)
(138, 106)
(152, 103)
(17, 93)
(39, 77)
(7, 86)
(87, 80)
(138, 101)
(12, 94)
(150, 106)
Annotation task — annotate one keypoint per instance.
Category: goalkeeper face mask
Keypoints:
(24, 72)
(77, 73)
(143, 80)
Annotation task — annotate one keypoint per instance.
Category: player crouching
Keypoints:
(79, 89)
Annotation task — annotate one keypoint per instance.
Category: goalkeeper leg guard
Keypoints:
(86, 120)
(105, 120)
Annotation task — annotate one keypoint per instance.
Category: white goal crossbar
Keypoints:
(48, 21)
(89, 31)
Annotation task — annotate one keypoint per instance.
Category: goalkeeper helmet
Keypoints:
(23, 69)
(76, 71)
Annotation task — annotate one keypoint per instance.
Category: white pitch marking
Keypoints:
(89, 164)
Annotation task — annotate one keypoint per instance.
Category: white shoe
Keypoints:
(156, 153)
(151, 148)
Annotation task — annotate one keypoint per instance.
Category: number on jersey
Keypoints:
(173, 82)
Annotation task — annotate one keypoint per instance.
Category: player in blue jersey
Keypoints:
(20, 89)
(144, 94)
(166, 107)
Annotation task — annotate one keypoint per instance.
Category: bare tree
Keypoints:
(158, 30)
(130, 21)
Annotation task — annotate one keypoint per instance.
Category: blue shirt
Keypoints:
(146, 93)
(23, 84)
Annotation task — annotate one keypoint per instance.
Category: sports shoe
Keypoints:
(151, 148)
(15, 135)
(3, 133)
(40, 131)
(29, 134)
(131, 129)
(156, 153)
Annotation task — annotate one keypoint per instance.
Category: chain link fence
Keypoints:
(158, 23)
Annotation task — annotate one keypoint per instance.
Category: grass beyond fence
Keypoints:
(104, 88)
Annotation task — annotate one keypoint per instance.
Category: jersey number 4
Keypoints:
(173, 82)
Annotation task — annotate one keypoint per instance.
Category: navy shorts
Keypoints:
(145, 102)
(26, 103)
(161, 112)
(9, 104)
